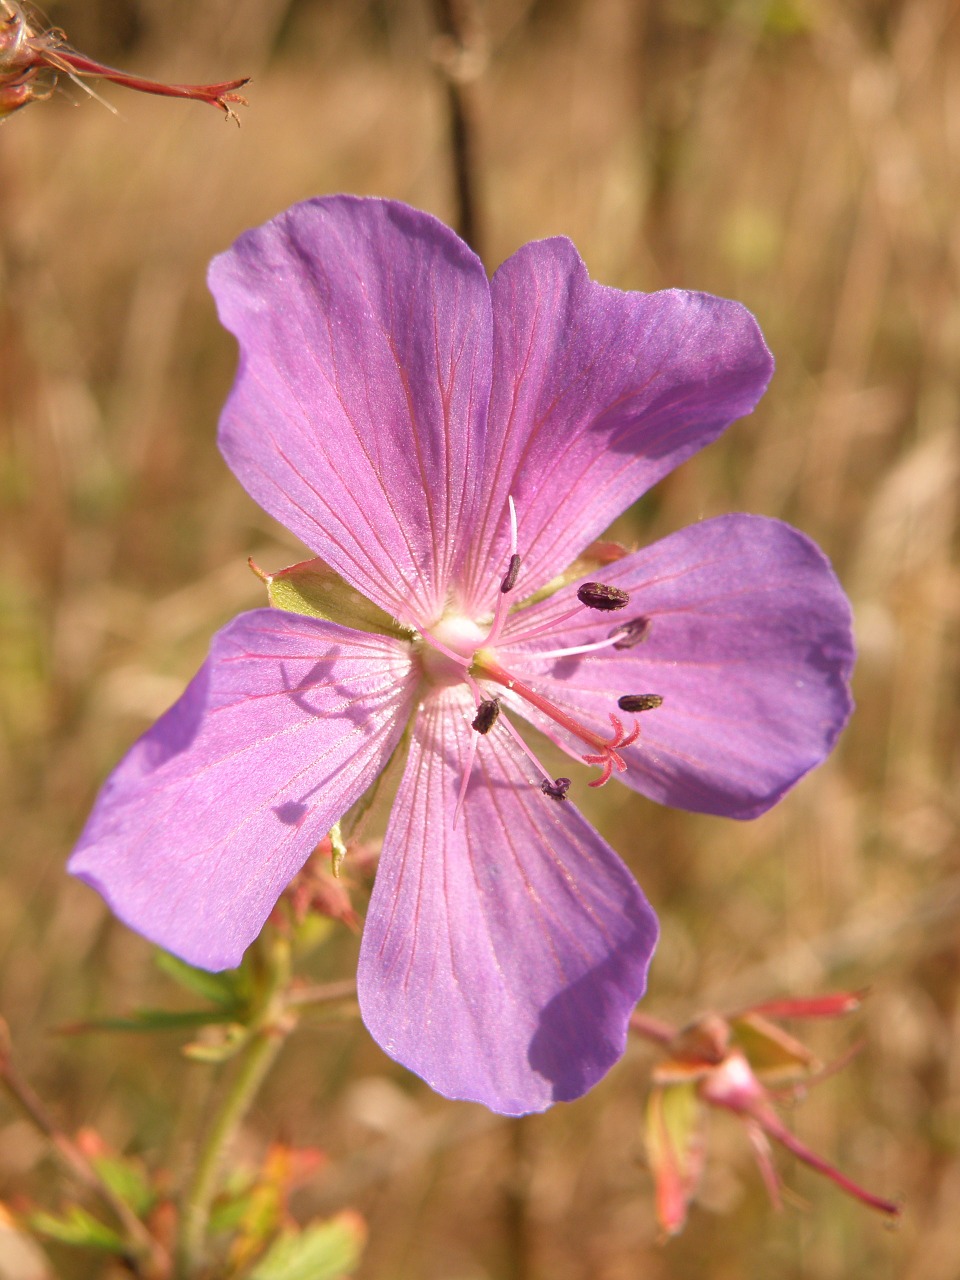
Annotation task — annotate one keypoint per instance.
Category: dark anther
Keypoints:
(509, 579)
(630, 633)
(639, 701)
(596, 595)
(486, 716)
(557, 789)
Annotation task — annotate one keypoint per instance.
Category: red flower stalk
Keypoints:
(739, 1063)
(27, 53)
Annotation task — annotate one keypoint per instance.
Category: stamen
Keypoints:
(487, 713)
(597, 595)
(459, 658)
(630, 633)
(620, 637)
(639, 701)
(556, 790)
(564, 653)
(471, 748)
(509, 579)
(465, 780)
(545, 628)
(524, 748)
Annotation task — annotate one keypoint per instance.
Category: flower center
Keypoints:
(448, 652)
(458, 650)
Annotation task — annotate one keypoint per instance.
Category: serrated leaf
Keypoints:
(313, 588)
(77, 1227)
(324, 1251)
(227, 988)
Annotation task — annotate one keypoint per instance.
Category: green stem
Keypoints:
(275, 1024)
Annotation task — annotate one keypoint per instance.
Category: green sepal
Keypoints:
(231, 988)
(675, 1148)
(324, 1251)
(772, 1052)
(77, 1227)
(313, 588)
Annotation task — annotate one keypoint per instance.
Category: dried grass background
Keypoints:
(802, 156)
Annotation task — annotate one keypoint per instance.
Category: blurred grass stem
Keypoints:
(460, 58)
(274, 1025)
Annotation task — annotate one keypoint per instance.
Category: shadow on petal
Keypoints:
(583, 1030)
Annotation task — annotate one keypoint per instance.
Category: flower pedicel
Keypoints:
(450, 448)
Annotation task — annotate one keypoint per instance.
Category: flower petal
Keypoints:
(501, 957)
(749, 645)
(209, 816)
(361, 396)
(597, 394)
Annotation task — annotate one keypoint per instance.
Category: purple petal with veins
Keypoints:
(749, 645)
(358, 413)
(210, 815)
(502, 957)
(597, 394)
(449, 446)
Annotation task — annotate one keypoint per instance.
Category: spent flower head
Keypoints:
(745, 1064)
(31, 59)
(450, 447)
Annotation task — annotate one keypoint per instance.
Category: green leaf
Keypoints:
(128, 1181)
(77, 1227)
(228, 988)
(313, 588)
(324, 1251)
(152, 1020)
(228, 1213)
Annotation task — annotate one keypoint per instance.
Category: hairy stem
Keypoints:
(273, 1026)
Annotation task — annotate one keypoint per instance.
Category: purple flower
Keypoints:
(452, 446)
